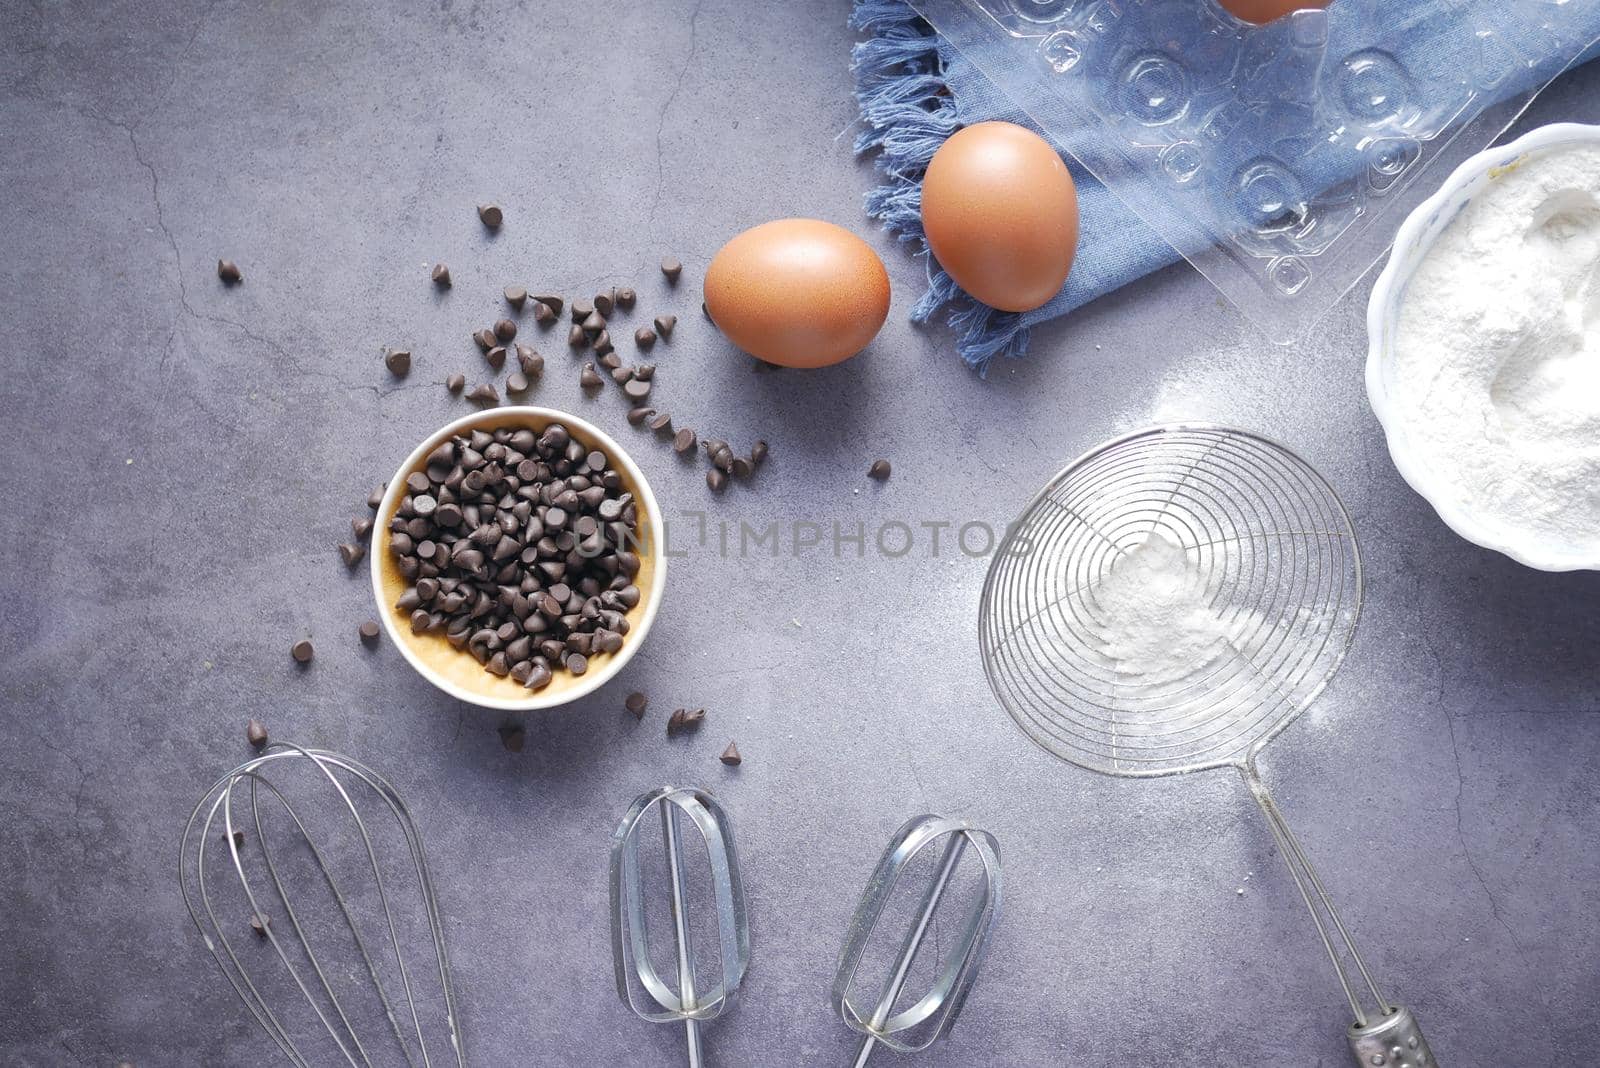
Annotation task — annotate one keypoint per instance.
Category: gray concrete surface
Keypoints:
(182, 459)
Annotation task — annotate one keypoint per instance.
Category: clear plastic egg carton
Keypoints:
(1279, 159)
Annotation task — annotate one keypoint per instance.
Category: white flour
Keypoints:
(1498, 353)
(1154, 618)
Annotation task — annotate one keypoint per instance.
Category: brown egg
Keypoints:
(1001, 215)
(798, 292)
(1261, 12)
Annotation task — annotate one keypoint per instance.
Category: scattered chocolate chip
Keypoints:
(238, 839)
(259, 924)
(610, 360)
(671, 268)
(505, 329)
(637, 416)
(491, 215)
(730, 756)
(484, 394)
(302, 651)
(602, 342)
(576, 337)
(529, 360)
(516, 296)
(879, 470)
(513, 737)
(590, 378)
(645, 371)
(375, 498)
(361, 526)
(496, 357)
(740, 468)
(664, 325)
(684, 719)
(722, 456)
(626, 298)
(368, 631)
(758, 453)
(644, 337)
(456, 383)
(398, 361)
(516, 382)
(661, 423)
(255, 732)
(551, 301)
(636, 703)
(637, 390)
(684, 441)
(582, 309)
(351, 554)
(543, 314)
(441, 276)
(621, 375)
(485, 339)
(604, 302)
(716, 479)
(228, 271)
(594, 323)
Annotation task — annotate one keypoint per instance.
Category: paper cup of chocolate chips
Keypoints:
(516, 560)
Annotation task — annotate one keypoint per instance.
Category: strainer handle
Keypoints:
(1388, 1036)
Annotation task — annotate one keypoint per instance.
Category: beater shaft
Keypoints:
(680, 921)
(913, 942)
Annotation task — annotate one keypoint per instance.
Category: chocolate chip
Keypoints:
(543, 314)
(484, 394)
(602, 342)
(551, 301)
(879, 470)
(259, 924)
(590, 378)
(740, 468)
(516, 296)
(255, 732)
(441, 276)
(351, 554)
(516, 382)
(604, 302)
(491, 215)
(730, 756)
(398, 361)
(626, 298)
(375, 498)
(671, 268)
(684, 719)
(645, 371)
(417, 482)
(636, 703)
(238, 838)
(716, 479)
(661, 422)
(361, 526)
(758, 453)
(485, 339)
(610, 360)
(576, 337)
(684, 441)
(637, 390)
(505, 329)
(302, 651)
(637, 416)
(368, 631)
(456, 383)
(582, 309)
(644, 337)
(496, 357)
(594, 323)
(228, 271)
(664, 325)
(513, 737)
(577, 663)
(530, 361)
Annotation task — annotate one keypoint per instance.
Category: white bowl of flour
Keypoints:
(1484, 358)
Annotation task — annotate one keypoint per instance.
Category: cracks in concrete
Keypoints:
(666, 106)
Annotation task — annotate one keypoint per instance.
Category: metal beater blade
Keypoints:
(686, 999)
(916, 1027)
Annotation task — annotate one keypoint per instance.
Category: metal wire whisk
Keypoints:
(294, 790)
(1268, 561)
(684, 998)
(930, 1017)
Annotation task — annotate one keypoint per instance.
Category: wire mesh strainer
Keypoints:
(1251, 625)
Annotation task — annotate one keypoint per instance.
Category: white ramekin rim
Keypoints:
(1412, 242)
(651, 597)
